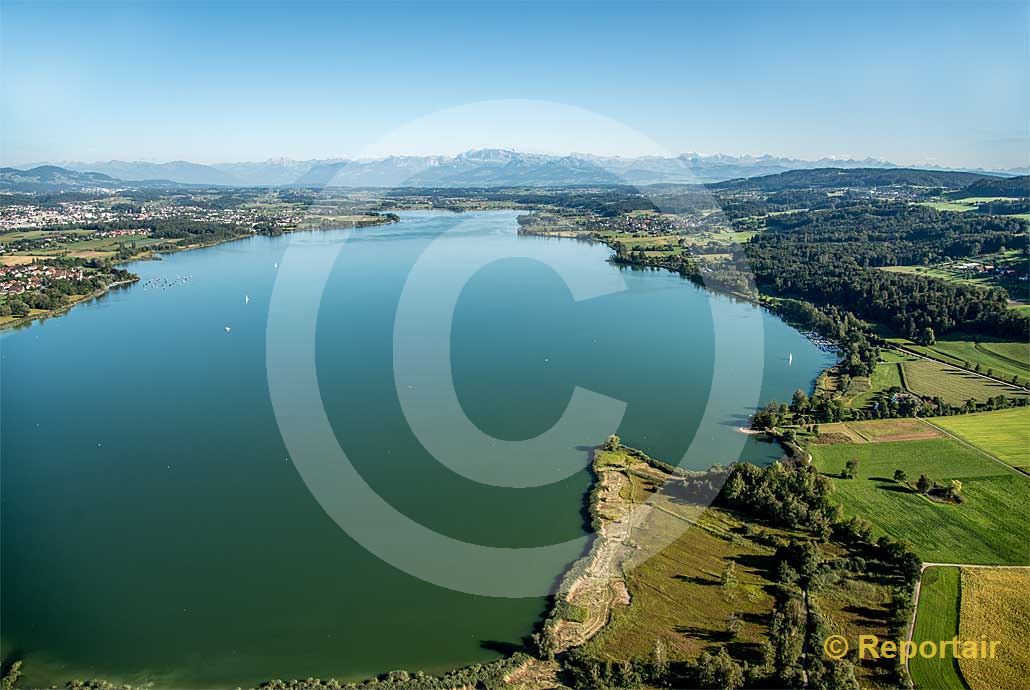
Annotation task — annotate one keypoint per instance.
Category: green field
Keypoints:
(885, 375)
(936, 620)
(894, 357)
(948, 206)
(984, 199)
(96, 245)
(989, 527)
(944, 272)
(954, 385)
(1005, 434)
(1005, 358)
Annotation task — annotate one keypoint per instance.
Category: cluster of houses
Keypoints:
(28, 216)
(15, 280)
(644, 224)
(121, 233)
(990, 269)
(18, 216)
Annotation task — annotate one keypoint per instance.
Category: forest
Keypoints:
(830, 258)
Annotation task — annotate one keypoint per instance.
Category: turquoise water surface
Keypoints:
(155, 530)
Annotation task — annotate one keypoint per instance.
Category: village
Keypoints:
(15, 280)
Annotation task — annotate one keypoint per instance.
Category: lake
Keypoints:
(155, 528)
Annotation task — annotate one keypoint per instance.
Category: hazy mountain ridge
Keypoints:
(507, 169)
(51, 178)
(484, 167)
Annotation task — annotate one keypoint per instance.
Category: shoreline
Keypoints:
(29, 319)
(594, 585)
(155, 255)
(762, 301)
(759, 301)
(608, 550)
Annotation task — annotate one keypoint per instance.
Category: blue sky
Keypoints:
(913, 83)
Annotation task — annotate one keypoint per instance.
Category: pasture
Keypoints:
(988, 527)
(885, 375)
(948, 206)
(953, 385)
(1004, 358)
(1005, 434)
(974, 270)
(937, 618)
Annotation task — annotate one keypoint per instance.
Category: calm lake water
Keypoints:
(155, 530)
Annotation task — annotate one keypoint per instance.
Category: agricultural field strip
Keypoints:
(978, 449)
(915, 594)
(988, 354)
(936, 624)
(902, 348)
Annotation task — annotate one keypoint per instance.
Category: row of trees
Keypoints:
(891, 403)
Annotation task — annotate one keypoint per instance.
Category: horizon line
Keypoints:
(572, 154)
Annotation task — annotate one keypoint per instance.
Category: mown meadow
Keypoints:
(937, 619)
(988, 527)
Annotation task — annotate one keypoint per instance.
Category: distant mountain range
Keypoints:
(51, 178)
(481, 168)
(495, 168)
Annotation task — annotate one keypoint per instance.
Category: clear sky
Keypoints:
(924, 82)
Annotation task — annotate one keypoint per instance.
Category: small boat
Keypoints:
(790, 359)
(228, 328)
(246, 299)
